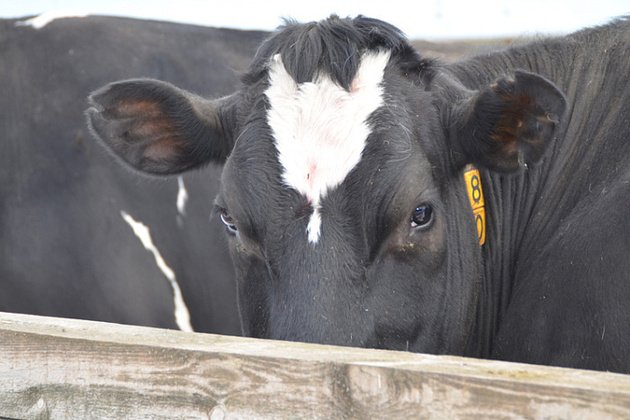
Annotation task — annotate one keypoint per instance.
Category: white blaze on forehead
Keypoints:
(320, 129)
(182, 316)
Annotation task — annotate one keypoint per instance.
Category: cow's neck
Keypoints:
(510, 202)
(525, 209)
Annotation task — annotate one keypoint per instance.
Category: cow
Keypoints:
(378, 198)
(77, 238)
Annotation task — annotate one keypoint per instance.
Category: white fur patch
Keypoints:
(182, 316)
(182, 196)
(38, 22)
(320, 129)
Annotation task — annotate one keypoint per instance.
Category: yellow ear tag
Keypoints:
(475, 195)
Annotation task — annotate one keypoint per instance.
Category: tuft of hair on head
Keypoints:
(333, 46)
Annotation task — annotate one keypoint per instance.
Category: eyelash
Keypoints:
(226, 219)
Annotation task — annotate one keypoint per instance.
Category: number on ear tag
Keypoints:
(475, 196)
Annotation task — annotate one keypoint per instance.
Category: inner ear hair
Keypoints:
(509, 124)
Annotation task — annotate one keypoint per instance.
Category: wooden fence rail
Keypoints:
(68, 369)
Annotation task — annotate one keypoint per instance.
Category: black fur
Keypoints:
(332, 46)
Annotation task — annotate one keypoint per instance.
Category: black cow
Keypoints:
(353, 214)
(67, 247)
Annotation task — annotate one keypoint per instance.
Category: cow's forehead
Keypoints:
(320, 129)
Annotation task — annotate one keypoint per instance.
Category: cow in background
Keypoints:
(79, 236)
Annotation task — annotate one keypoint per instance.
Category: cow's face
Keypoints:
(341, 191)
(337, 225)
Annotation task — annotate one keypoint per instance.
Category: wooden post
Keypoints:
(68, 369)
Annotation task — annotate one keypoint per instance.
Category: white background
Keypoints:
(428, 19)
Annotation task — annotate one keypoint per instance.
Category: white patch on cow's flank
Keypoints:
(38, 22)
(182, 196)
(320, 129)
(182, 316)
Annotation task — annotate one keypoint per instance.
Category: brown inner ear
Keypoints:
(152, 128)
(163, 150)
(521, 125)
(134, 108)
(510, 125)
(508, 129)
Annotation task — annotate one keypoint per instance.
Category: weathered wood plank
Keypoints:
(68, 369)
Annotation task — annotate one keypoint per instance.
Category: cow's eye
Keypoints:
(422, 216)
(228, 221)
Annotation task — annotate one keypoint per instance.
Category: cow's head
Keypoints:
(341, 191)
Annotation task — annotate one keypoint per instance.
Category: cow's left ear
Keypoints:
(157, 128)
(508, 124)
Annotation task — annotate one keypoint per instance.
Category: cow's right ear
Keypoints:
(160, 129)
(506, 125)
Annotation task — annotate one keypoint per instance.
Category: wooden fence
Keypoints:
(68, 369)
